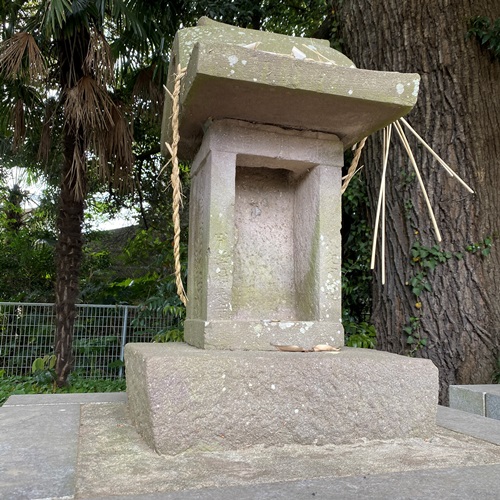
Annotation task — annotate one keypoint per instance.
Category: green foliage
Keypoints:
(414, 339)
(287, 17)
(424, 260)
(483, 247)
(27, 266)
(487, 32)
(43, 369)
(164, 301)
(495, 379)
(428, 258)
(356, 252)
(360, 335)
(356, 274)
(10, 386)
(172, 335)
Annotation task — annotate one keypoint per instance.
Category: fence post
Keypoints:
(124, 340)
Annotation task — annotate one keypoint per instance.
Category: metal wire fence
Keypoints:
(27, 332)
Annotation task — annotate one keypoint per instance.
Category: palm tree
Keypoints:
(64, 70)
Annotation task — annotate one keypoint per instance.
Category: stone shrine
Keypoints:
(265, 119)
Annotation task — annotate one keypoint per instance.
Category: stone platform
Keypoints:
(182, 398)
(84, 446)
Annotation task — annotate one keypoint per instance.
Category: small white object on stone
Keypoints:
(298, 54)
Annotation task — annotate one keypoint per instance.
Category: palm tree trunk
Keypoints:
(68, 261)
(69, 246)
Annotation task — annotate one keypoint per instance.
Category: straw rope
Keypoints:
(176, 182)
(353, 170)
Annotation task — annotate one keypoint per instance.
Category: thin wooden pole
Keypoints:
(381, 202)
(436, 156)
(404, 140)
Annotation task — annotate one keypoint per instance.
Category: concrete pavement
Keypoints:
(84, 446)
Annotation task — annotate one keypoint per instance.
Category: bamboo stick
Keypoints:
(404, 140)
(383, 231)
(314, 51)
(381, 197)
(436, 156)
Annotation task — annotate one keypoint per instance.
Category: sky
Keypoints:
(35, 189)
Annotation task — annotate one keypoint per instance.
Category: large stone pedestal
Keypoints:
(182, 398)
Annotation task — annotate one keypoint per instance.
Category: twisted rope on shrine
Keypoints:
(353, 167)
(176, 181)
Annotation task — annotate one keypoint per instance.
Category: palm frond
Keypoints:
(46, 133)
(55, 14)
(99, 61)
(19, 125)
(20, 56)
(88, 106)
(148, 92)
(115, 151)
(125, 13)
(78, 172)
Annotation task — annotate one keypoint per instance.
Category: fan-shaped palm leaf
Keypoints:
(20, 56)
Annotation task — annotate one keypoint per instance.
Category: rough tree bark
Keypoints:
(68, 262)
(72, 52)
(458, 113)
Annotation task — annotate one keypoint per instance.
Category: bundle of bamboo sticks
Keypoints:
(399, 125)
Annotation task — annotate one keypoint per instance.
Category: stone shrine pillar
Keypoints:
(265, 119)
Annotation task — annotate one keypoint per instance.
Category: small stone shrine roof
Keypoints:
(290, 82)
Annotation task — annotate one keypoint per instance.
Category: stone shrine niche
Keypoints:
(264, 257)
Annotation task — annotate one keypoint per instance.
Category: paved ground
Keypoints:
(83, 446)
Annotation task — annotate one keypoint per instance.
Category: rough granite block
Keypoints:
(186, 399)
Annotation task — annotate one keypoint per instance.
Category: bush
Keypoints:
(10, 386)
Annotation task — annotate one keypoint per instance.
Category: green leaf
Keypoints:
(430, 264)
(410, 340)
(38, 365)
(52, 361)
(55, 14)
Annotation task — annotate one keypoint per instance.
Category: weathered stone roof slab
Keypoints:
(227, 80)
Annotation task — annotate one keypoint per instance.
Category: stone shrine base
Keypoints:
(183, 398)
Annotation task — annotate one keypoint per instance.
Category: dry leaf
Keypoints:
(325, 348)
(290, 348)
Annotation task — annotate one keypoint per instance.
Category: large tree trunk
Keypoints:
(458, 113)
